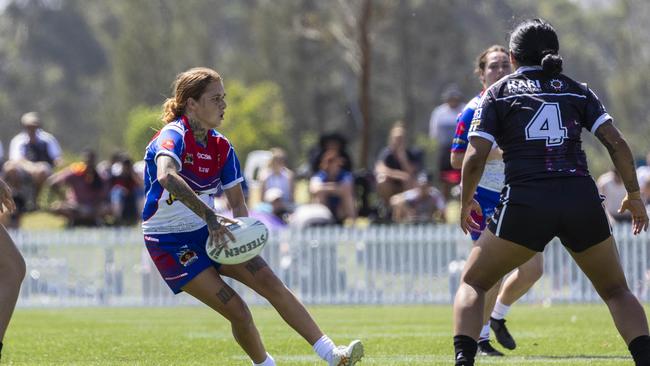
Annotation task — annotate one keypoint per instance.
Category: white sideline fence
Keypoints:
(399, 264)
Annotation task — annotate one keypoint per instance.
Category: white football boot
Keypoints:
(347, 355)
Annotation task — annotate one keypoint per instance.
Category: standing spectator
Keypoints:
(332, 186)
(611, 186)
(421, 204)
(84, 201)
(397, 166)
(34, 151)
(277, 175)
(442, 127)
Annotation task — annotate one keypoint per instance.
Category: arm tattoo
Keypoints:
(225, 294)
(180, 190)
(254, 265)
(620, 153)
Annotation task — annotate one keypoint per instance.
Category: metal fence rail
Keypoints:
(322, 265)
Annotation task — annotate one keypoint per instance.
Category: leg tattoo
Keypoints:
(225, 294)
(255, 264)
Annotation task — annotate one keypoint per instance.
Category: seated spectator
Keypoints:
(421, 204)
(82, 192)
(397, 167)
(333, 187)
(34, 151)
(278, 176)
(329, 141)
(125, 187)
(22, 192)
(611, 186)
(273, 204)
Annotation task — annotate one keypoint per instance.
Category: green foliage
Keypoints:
(143, 122)
(255, 117)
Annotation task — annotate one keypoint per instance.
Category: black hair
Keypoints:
(534, 42)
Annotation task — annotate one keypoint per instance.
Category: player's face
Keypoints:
(497, 65)
(211, 107)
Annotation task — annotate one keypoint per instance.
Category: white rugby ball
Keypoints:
(250, 237)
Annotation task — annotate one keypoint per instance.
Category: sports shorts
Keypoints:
(179, 257)
(533, 213)
(488, 200)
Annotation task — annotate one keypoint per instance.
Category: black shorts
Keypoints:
(533, 213)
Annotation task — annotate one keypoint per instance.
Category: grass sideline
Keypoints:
(393, 335)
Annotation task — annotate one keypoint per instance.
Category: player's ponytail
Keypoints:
(188, 84)
(171, 110)
(535, 43)
(551, 62)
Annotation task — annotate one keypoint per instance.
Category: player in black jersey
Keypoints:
(536, 116)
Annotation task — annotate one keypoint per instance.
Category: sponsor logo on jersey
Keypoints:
(168, 144)
(204, 156)
(204, 170)
(189, 159)
(557, 85)
(517, 86)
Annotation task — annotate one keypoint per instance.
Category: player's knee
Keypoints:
(532, 274)
(13, 270)
(270, 285)
(477, 282)
(614, 292)
(241, 317)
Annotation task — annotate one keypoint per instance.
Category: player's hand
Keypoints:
(633, 203)
(467, 222)
(6, 199)
(218, 231)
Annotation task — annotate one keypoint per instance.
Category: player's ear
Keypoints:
(190, 103)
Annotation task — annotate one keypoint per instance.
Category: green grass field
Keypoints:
(393, 335)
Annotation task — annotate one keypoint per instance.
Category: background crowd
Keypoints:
(324, 189)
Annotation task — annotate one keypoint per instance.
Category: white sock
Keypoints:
(324, 347)
(268, 362)
(500, 311)
(485, 333)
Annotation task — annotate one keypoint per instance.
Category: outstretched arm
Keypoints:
(623, 160)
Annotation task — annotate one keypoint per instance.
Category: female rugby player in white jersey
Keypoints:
(12, 265)
(493, 64)
(536, 116)
(187, 162)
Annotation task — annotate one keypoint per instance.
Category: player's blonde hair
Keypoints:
(188, 84)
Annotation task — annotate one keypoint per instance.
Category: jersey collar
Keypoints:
(523, 69)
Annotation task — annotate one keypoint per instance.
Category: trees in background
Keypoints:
(295, 69)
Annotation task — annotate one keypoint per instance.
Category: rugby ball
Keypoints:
(250, 237)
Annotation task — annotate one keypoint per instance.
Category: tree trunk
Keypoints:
(364, 81)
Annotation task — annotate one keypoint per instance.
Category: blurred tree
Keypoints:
(255, 117)
(143, 123)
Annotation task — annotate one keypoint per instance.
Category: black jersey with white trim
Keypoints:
(537, 120)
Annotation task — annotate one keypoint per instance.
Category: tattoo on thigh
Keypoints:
(225, 294)
(255, 264)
